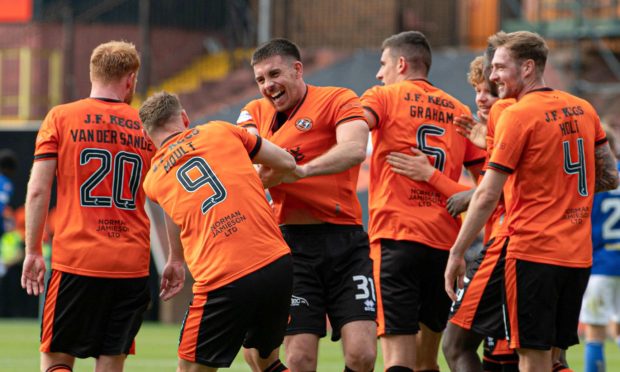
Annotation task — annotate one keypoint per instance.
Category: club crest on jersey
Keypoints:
(303, 124)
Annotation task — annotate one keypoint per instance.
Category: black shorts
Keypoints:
(87, 317)
(543, 303)
(498, 356)
(251, 311)
(332, 275)
(479, 305)
(410, 278)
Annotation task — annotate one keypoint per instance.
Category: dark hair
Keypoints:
(8, 160)
(413, 46)
(276, 47)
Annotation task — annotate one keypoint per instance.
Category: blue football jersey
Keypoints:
(606, 232)
(6, 191)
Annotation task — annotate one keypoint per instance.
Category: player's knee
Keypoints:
(59, 368)
(361, 359)
(450, 348)
(301, 360)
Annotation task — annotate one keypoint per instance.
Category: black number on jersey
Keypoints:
(121, 162)
(438, 153)
(206, 177)
(578, 168)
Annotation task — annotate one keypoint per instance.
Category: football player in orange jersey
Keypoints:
(219, 221)
(473, 319)
(549, 156)
(317, 207)
(98, 290)
(410, 229)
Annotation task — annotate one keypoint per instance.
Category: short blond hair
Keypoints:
(523, 45)
(158, 109)
(113, 60)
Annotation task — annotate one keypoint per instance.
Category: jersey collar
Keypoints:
(168, 138)
(275, 126)
(104, 99)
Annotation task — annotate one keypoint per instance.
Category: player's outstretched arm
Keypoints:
(349, 151)
(418, 168)
(173, 275)
(276, 163)
(606, 172)
(480, 209)
(37, 205)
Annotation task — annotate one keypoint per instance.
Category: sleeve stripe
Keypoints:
(373, 114)
(46, 155)
(350, 118)
(600, 142)
(259, 142)
(474, 162)
(501, 168)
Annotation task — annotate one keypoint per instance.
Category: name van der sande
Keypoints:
(101, 135)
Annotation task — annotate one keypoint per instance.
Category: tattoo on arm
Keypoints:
(605, 169)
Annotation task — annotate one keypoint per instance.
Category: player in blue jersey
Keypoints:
(8, 164)
(601, 302)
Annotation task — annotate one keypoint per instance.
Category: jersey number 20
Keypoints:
(206, 177)
(106, 165)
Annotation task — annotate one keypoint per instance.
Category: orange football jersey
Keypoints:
(204, 180)
(309, 132)
(414, 113)
(103, 156)
(546, 143)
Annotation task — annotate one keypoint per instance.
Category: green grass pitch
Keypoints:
(156, 351)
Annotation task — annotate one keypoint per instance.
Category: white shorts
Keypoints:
(601, 302)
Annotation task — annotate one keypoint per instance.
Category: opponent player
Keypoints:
(410, 228)
(219, 220)
(601, 302)
(98, 290)
(547, 141)
(319, 213)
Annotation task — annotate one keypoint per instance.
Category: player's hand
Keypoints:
(472, 130)
(482, 117)
(33, 274)
(269, 177)
(459, 202)
(455, 272)
(172, 279)
(416, 166)
(298, 173)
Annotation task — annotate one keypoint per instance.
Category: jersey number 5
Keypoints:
(438, 153)
(195, 174)
(121, 160)
(578, 167)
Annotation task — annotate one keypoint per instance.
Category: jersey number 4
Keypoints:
(118, 167)
(578, 167)
(197, 173)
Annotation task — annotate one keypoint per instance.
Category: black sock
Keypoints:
(347, 369)
(59, 368)
(276, 366)
(398, 369)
